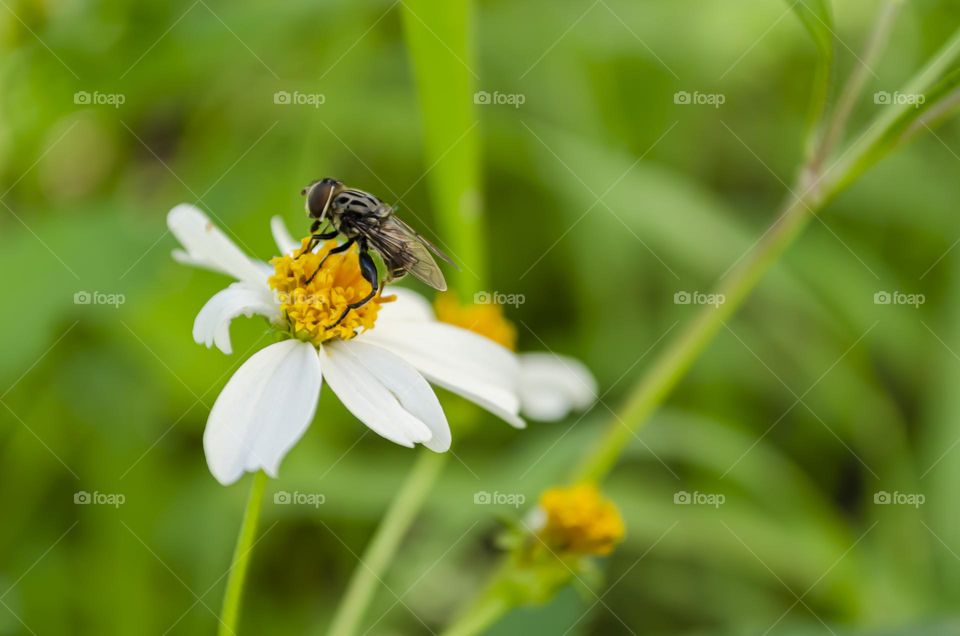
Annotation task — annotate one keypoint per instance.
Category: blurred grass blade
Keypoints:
(817, 17)
(438, 40)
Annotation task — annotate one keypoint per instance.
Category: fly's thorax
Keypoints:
(353, 222)
(358, 202)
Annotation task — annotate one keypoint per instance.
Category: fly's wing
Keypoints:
(402, 248)
(433, 248)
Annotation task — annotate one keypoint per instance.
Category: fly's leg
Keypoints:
(316, 238)
(337, 250)
(368, 269)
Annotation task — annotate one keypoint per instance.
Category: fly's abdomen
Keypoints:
(396, 271)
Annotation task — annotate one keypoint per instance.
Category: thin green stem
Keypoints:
(382, 548)
(861, 155)
(671, 366)
(233, 596)
(877, 40)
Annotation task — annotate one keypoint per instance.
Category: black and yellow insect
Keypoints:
(371, 224)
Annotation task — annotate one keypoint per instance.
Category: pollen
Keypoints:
(580, 520)
(311, 309)
(486, 319)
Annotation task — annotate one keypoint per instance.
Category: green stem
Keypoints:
(233, 596)
(813, 195)
(861, 155)
(876, 42)
(671, 366)
(381, 549)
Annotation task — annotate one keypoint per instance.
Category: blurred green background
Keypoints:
(809, 406)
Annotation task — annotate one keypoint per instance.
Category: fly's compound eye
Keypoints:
(318, 197)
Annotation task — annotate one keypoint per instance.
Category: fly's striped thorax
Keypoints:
(360, 204)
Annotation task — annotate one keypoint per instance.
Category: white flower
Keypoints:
(377, 361)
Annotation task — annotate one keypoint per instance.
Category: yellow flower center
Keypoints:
(579, 519)
(312, 308)
(487, 320)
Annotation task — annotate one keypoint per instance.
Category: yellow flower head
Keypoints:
(487, 320)
(312, 309)
(580, 520)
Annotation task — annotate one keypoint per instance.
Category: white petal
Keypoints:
(551, 386)
(205, 245)
(386, 396)
(212, 325)
(466, 363)
(408, 307)
(263, 411)
(185, 259)
(282, 237)
(406, 384)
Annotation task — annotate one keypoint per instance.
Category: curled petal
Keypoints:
(551, 386)
(205, 245)
(458, 360)
(212, 325)
(263, 411)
